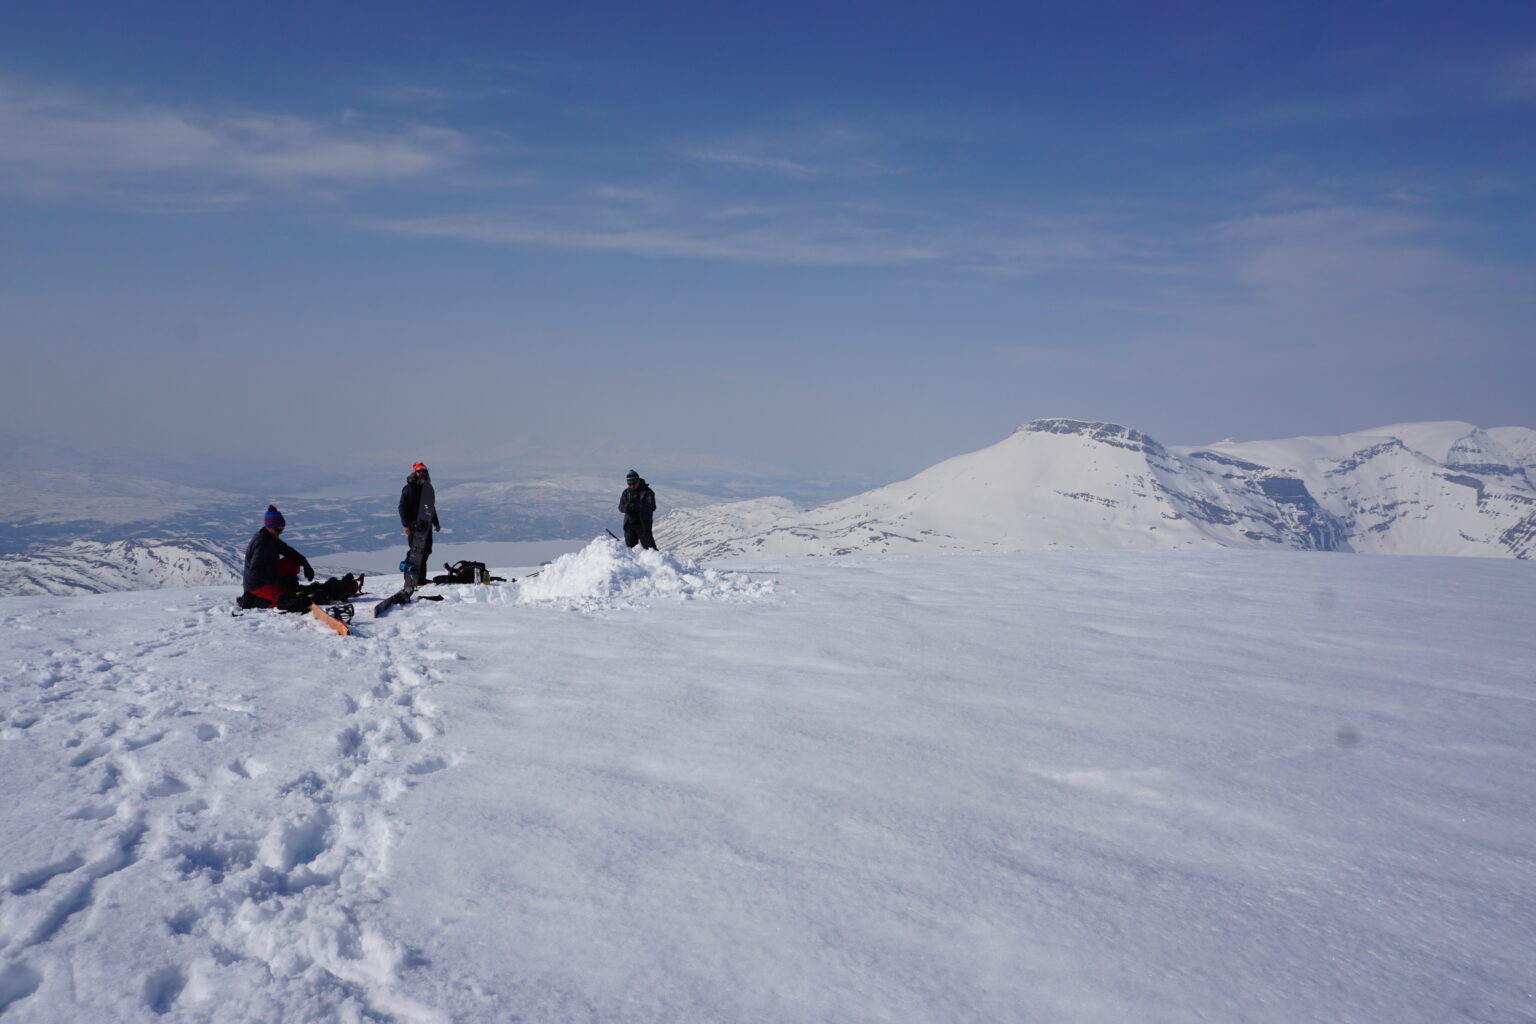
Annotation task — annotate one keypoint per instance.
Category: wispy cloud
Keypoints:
(749, 161)
(771, 243)
(807, 153)
(52, 141)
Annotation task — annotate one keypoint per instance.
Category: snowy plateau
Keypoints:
(1270, 787)
(1419, 488)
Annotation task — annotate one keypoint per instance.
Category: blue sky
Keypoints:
(746, 238)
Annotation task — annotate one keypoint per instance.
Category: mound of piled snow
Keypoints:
(606, 574)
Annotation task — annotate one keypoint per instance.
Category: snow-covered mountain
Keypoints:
(1419, 488)
(93, 567)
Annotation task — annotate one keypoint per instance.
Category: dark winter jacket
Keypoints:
(261, 560)
(638, 503)
(411, 504)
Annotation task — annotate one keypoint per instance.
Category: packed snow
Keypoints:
(1041, 786)
(605, 574)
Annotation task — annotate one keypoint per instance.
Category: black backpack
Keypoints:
(333, 589)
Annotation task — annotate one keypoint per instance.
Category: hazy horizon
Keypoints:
(780, 241)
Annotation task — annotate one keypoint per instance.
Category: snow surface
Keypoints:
(1043, 786)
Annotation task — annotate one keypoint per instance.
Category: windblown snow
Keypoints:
(1040, 786)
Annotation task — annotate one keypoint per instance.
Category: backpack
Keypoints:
(467, 572)
(333, 589)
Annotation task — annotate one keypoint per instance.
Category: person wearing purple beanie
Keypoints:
(272, 568)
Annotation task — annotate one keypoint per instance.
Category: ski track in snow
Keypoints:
(279, 895)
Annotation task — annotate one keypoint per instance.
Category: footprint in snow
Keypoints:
(17, 981)
(162, 989)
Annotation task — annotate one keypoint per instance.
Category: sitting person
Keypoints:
(272, 569)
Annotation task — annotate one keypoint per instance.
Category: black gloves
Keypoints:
(309, 572)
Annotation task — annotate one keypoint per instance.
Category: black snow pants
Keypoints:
(639, 532)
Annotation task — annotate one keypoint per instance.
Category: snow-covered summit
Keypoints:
(1432, 488)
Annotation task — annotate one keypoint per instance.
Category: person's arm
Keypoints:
(407, 508)
(650, 500)
(284, 549)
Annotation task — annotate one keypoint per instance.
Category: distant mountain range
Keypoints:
(94, 567)
(1416, 488)
(65, 531)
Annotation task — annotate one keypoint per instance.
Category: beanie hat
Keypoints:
(631, 475)
(273, 517)
(418, 467)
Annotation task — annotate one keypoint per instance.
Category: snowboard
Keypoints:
(398, 597)
(330, 620)
(402, 596)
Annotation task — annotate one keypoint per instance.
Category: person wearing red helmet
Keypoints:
(418, 517)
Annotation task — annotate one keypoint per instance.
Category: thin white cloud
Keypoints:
(749, 161)
(763, 244)
(816, 152)
(52, 141)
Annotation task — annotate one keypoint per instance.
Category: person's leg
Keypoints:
(646, 539)
(631, 534)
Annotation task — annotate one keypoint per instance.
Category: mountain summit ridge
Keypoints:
(1443, 488)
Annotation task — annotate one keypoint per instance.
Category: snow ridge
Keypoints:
(1428, 488)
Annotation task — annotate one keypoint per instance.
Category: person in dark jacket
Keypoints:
(638, 503)
(272, 568)
(418, 517)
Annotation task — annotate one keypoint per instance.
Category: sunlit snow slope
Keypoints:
(1427, 488)
(1047, 787)
(94, 567)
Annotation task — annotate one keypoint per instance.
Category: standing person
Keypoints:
(418, 515)
(638, 503)
(272, 568)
